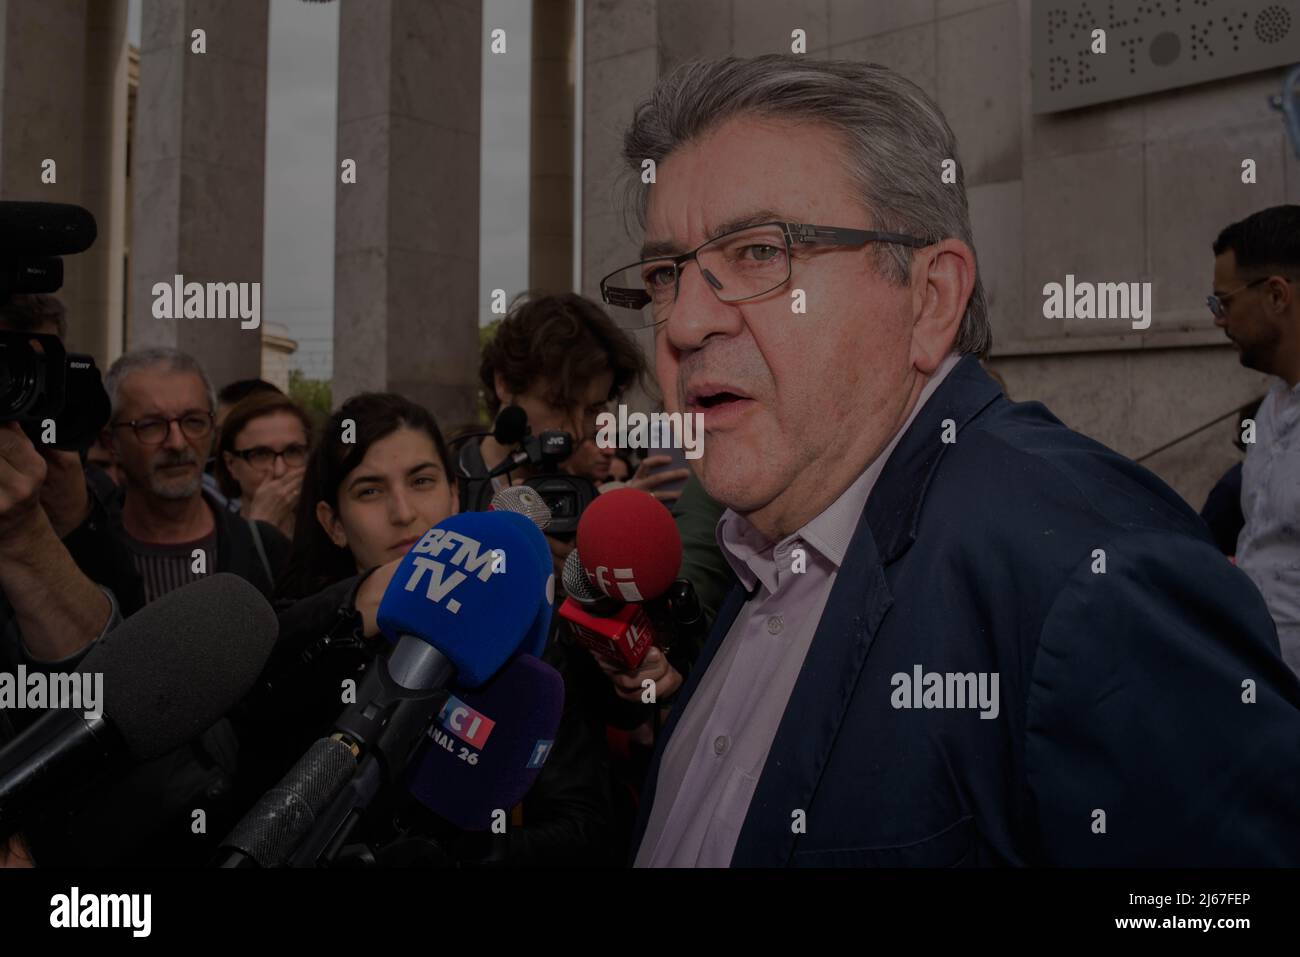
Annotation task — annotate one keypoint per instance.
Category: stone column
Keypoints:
(407, 231)
(620, 63)
(97, 327)
(550, 223)
(42, 105)
(198, 172)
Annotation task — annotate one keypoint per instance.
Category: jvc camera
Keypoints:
(565, 495)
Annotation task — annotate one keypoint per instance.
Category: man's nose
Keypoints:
(698, 313)
(278, 466)
(175, 436)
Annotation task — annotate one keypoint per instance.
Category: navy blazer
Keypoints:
(1145, 714)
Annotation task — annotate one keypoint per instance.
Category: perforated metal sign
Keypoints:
(1152, 45)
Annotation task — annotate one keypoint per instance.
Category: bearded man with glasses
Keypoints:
(161, 435)
(1256, 302)
(961, 634)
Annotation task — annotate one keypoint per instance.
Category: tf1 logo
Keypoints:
(472, 727)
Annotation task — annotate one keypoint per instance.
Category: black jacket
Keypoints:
(1145, 718)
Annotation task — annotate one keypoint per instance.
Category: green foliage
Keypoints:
(312, 394)
(485, 334)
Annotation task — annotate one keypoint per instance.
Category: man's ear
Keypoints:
(1281, 296)
(943, 278)
(455, 497)
(502, 390)
(329, 521)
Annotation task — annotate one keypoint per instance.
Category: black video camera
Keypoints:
(567, 496)
(57, 396)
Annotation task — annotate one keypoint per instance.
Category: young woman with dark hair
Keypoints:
(376, 480)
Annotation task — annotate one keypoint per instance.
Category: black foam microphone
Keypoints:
(38, 230)
(170, 671)
(511, 425)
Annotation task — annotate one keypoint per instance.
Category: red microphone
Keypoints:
(630, 551)
(629, 545)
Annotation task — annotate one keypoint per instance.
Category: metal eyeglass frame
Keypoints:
(793, 233)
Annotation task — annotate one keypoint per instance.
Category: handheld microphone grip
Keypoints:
(286, 812)
(49, 757)
(622, 637)
(393, 705)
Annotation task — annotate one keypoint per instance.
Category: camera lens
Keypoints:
(20, 380)
(562, 504)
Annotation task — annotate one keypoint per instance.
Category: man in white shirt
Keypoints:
(1255, 302)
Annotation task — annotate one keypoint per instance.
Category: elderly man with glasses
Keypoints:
(962, 633)
(161, 435)
(1255, 303)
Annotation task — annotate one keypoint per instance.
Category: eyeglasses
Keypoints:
(1219, 304)
(742, 264)
(260, 456)
(153, 431)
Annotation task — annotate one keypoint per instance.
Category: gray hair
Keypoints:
(897, 142)
(174, 359)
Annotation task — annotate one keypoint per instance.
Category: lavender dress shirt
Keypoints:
(713, 761)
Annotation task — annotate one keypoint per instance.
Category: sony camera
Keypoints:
(57, 396)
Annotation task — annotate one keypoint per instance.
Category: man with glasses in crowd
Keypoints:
(962, 633)
(161, 435)
(1255, 303)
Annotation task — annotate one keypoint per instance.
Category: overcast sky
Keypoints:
(301, 117)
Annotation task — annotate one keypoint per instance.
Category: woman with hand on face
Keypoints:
(261, 454)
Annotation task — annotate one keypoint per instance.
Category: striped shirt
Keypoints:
(164, 568)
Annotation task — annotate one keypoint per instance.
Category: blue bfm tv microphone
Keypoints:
(459, 605)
